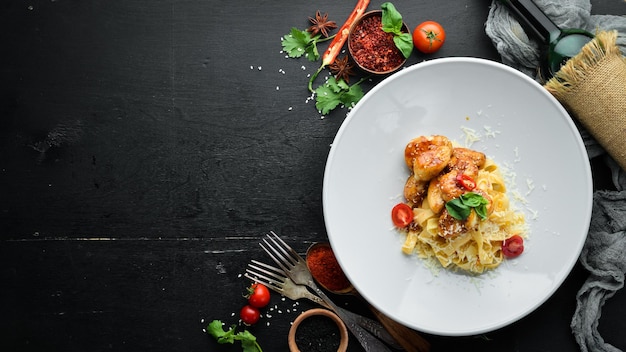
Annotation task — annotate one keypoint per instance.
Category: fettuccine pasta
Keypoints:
(446, 184)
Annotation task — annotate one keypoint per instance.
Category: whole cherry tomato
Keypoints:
(249, 315)
(428, 37)
(258, 295)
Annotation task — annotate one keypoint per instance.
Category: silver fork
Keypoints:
(295, 268)
(276, 279)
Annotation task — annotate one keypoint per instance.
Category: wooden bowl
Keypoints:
(343, 331)
(369, 56)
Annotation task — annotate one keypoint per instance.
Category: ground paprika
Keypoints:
(372, 48)
(325, 269)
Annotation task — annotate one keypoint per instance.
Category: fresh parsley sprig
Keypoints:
(334, 92)
(248, 341)
(299, 42)
(460, 208)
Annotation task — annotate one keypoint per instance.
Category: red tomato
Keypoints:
(402, 215)
(428, 37)
(512, 247)
(249, 315)
(258, 295)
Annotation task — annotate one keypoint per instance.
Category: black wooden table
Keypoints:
(145, 147)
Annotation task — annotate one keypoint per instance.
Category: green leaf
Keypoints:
(299, 42)
(326, 99)
(481, 210)
(457, 209)
(460, 208)
(311, 51)
(473, 200)
(404, 42)
(332, 93)
(352, 95)
(216, 330)
(392, 19)
(248, 341)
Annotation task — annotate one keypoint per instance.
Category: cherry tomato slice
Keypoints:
(249, 315)
(402, 215)
(513, 246)
(466, 181)
(258, 295)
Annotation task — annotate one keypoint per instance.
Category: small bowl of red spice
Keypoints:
(373, 49)
(323, 265)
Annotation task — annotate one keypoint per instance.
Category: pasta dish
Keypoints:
(457, 210)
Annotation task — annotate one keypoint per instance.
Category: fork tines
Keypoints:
(265, 274)
(280, 251)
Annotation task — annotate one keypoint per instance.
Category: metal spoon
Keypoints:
(558, 45)
(405, 337)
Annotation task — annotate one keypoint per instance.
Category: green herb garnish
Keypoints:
(248, 341)
(460, 208)
(335, 92)
(299, 42)
(392, 23)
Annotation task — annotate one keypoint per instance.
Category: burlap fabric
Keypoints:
(592, 87)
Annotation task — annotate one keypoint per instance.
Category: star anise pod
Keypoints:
(342, 68)
(321, 24)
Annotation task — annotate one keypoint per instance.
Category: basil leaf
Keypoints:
(404, 42)
(460, 208)
(472, 199)
(457, 209)
(481, 210)
(392, 19)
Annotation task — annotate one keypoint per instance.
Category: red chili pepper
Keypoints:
(340, 39)
(466, 181)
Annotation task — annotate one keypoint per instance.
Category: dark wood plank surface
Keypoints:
(145, 146)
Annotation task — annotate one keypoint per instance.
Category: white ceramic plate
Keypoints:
(522, 126)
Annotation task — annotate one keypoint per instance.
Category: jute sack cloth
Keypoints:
(592, 87)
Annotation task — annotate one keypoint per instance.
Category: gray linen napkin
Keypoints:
(604, 253)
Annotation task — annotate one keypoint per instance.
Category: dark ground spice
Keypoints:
(318, 333)
(373, 48)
